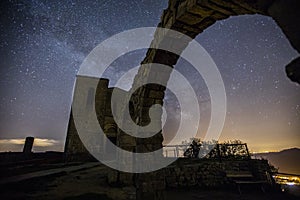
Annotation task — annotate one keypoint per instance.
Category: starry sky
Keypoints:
(43, 43)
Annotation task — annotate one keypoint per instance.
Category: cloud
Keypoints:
(39, 144)
(45, 142)
(12, 141)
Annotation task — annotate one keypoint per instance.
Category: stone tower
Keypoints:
(74, 148)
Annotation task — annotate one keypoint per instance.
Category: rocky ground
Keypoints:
(89, 182)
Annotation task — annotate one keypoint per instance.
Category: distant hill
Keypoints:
(288, 160)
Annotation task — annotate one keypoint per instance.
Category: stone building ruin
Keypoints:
(190, 17)
(74, 148)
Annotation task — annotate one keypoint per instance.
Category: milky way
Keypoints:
(43, 44)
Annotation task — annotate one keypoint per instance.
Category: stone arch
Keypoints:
(191, 17)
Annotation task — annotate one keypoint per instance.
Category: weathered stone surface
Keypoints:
(189, 18)
(216, 7)
(219, 16)
(293, 70)
(184, 28)
(256, 6)
(156, 94)
(206, 23)
(286, 14)
(126, 140)
(235, 8)
(199, 10)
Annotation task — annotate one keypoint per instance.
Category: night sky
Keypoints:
(43, 43)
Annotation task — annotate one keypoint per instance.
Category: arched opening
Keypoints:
(193, 17)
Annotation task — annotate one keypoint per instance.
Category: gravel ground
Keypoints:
(89, 184)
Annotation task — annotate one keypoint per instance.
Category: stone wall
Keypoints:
(211, 173)
(186, 173)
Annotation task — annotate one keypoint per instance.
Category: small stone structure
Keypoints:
(28, 145)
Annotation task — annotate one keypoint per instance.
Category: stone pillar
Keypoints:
(28, 145)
